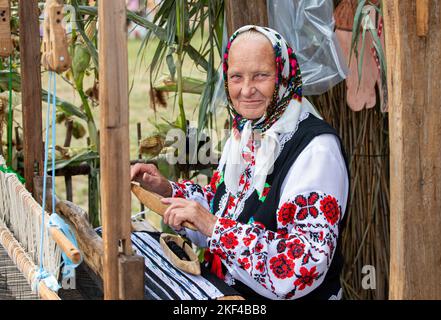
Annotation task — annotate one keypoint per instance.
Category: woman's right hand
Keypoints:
(151, 179)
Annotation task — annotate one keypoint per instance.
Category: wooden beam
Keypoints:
(242, 12)
(31, 90)
(115, 152)
(414, 86)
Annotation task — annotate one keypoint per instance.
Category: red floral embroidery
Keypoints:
(220, 253)
(259, 247)
(330, 208)
(181, 185)
(306, 278)
(208, 195)
(179, 194)
(281, 246)
(227, 223)
(295, 249)
(286, 213)
(247, 240)
(260, 266)
(242, 180)
(307, 205)
(214, 181)
(282, 267)
(246, 186)
(282, 233)
(244, 263)
(229, 240)
(259, 224)
(265, 191)
(271, 236)
(230, 202)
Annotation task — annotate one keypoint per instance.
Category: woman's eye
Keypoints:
(262, 76)
(235, 76)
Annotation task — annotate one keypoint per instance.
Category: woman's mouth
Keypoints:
(251, 103)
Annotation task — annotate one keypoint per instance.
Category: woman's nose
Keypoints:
(248, 88)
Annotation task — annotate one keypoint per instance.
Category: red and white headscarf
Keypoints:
(281, 116)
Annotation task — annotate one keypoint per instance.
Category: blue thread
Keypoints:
(54, 220)
(46, 155)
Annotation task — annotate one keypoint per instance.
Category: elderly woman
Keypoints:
(271, 217)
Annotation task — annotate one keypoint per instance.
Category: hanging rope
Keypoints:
(43, 275)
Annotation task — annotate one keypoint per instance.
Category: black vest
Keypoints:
(308, 129)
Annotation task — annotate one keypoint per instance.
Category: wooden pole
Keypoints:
(414, 86)
(123, 274)
(31, 90)
(243, 12)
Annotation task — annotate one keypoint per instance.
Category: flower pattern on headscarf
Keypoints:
(288, 79)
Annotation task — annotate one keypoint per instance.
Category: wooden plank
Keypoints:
(31, 90)
(242, 12)
(414, 86)
(114, 146)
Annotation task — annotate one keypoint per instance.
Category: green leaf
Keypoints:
(189, 85)
(80, 62)
(86, 155)
(356, 28)
(66, 107)
(360, 59)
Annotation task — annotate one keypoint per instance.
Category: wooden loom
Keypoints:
(110, 257)
(15, 250)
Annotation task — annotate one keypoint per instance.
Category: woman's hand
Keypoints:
(181, 210)
(151, 179)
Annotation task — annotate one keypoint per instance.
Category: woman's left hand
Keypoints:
(181, 210)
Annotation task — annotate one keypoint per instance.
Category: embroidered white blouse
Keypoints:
(293, 261)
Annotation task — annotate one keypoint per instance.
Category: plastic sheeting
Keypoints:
(308, 26)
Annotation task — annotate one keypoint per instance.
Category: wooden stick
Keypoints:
(31, 90)
(65, 245)
(115, 153)
(138, 131)
(153, 201)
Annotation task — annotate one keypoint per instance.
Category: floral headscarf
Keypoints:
(288, 79)
(281, 116)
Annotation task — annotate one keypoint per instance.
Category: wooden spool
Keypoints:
(55, 55)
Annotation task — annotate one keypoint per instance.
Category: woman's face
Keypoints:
(251, 76)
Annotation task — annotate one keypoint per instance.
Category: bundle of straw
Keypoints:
(366, 236)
